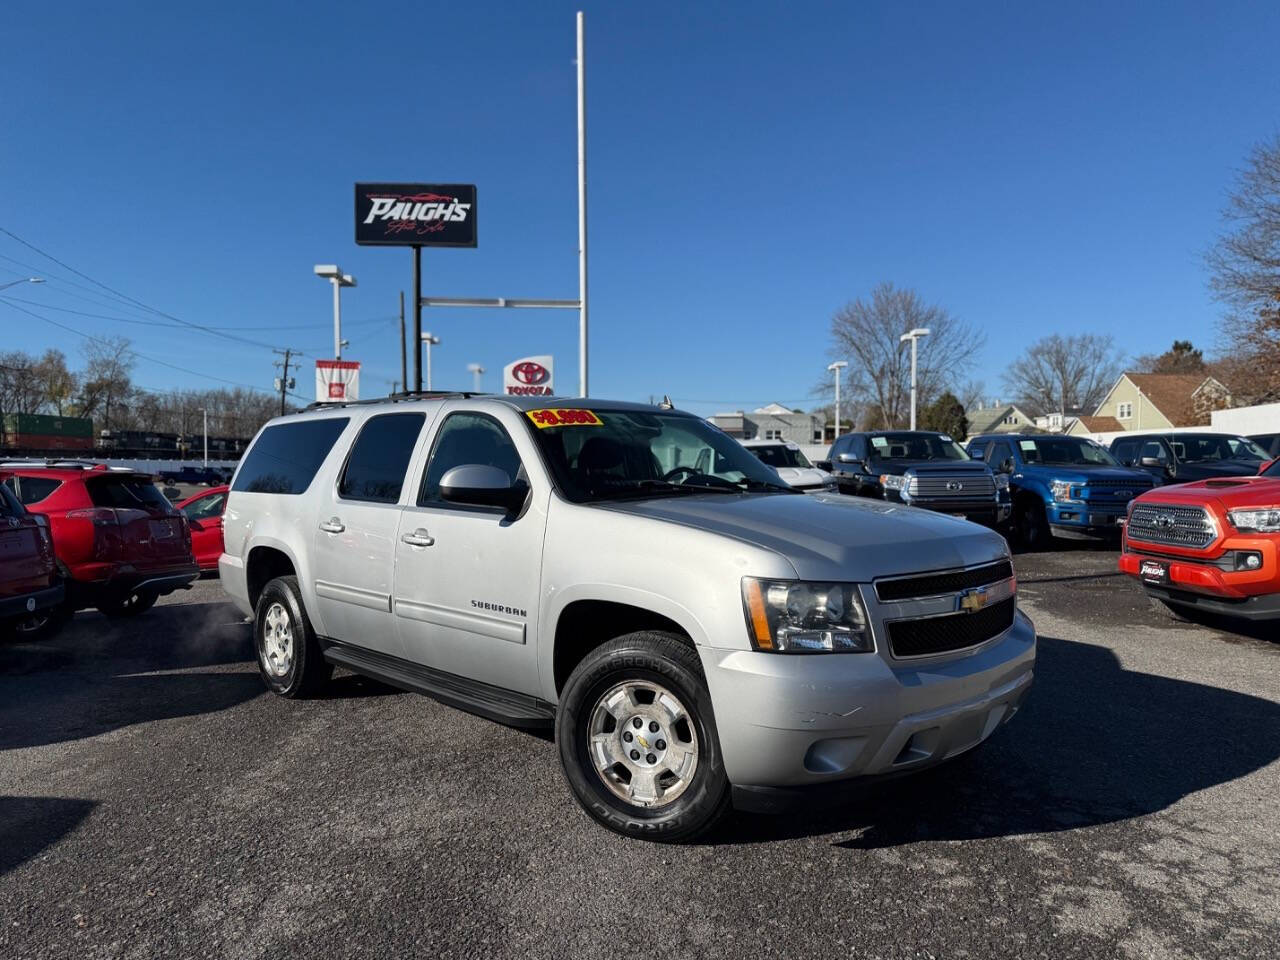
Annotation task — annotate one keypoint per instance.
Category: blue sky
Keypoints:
(1034, 169)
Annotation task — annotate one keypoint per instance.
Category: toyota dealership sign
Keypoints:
(416, 214)
(529, 377)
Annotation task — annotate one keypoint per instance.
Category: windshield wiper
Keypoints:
(746, 483)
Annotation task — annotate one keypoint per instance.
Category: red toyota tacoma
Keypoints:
(1212, 545)
(31, 589)
(120, 543)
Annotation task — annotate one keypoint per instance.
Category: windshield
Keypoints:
(613, 454)
(1069, 451)
(915, 446)
(780, 455)
(1204, 449)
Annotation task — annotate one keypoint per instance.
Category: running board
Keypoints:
(496, 703)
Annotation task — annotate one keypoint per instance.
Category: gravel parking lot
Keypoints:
(155, 802)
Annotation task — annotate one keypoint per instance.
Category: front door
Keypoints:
(205, 515)
(466, 581)
(355, 543)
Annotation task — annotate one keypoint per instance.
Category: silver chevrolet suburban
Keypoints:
(699, 634)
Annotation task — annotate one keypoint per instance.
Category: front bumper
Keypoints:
(989, 512)
(26, 604)
(802, 721)
(1085, 520)
(1207, 583)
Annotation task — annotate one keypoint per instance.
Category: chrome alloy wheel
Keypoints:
(277, 640)
(642, 743)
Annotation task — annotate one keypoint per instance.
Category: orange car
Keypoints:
(1211, 545)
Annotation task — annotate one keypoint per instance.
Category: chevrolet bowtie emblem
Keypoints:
(973, 600)
(642, 741)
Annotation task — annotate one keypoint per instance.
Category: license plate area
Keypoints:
(1101, 519)
(1154, 571)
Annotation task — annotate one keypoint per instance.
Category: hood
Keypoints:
(1078, 474)
(1218, 468)
(925, 467)
(803, 476)
(1229, 493)
(830, 537)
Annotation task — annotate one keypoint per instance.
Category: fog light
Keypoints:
(1248, 560)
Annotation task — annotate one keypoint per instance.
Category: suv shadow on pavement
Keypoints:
(1095, 744)
(29, 825)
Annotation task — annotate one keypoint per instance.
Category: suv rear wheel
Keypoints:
(37, 626)
(130, 605)
(637, 739)
(289, 657)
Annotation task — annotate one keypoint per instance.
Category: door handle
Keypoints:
(419, 538)
(332, 525)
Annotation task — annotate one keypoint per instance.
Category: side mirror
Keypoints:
(195, 524)
(1268, 465)
(823, 465)
(1151, 462)
(847, 458)
(481, 485)
(1006, 465)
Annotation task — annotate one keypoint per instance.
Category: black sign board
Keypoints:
(416, 214)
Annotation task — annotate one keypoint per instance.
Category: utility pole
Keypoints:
(836, 368)
(583, 387)
(404, 370)
(284, 383)
(913, 336)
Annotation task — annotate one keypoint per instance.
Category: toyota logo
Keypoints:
(530, 373)
(954, 486)
(1165, 520)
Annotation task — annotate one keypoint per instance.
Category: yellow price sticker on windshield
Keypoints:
(564, 418)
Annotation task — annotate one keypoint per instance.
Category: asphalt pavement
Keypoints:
(156, 802)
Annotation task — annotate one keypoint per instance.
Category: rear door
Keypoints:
(355, 541)
(151, 531)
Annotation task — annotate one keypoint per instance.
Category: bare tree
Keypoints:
(866, 332)
(106, 382)
(57, 384)
(1064, 373)
(1245, 270)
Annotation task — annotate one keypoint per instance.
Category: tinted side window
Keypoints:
(206, 508)
(9, 505)
(978, 450)
(467, 438)
(127, 493)
(285, 457)
(1125, 450)
(33, 489)
(379, 458)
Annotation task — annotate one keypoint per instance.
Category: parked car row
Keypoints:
(113, 542)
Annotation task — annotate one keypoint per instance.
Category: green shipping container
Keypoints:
(43, 424)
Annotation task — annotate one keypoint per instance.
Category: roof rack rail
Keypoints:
(396, 398)
(66, 464)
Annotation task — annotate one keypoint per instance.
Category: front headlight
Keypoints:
(1261, 520)
(1002, 481)
(1062, 491)
(892, 481)
(798, 616)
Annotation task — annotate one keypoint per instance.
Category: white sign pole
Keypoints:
(582, 214)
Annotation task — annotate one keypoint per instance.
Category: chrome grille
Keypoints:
(1176, 526)
(934, 487)
(1106, 490)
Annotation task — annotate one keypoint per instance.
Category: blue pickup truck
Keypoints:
(1062, 486)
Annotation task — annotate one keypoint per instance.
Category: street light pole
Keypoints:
(837, 367)
(333, 273)
(205, 411)
(14, 283)
(477, 372)
(429, 339)
(913, 336)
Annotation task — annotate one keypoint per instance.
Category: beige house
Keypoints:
(1156, 401)
(1001, 418)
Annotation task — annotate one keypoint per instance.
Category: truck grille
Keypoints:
(934, 584)
(1107, 490)
(970, 487)
(1177, 526)
(954, 631)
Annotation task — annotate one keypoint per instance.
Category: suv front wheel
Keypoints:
(289, 657)
(637, 739)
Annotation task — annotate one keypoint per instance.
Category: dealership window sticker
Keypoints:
(563, 418)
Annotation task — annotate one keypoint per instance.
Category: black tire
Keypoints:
(1032, 527)
(1169, 611)
(307, 671)
(669, 661)
(40, 625)
(131, 605)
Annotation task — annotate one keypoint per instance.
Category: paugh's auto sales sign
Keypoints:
(416, 214)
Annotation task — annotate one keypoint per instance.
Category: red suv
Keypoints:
(1212, 545)
(31, 588)
(119, 541)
